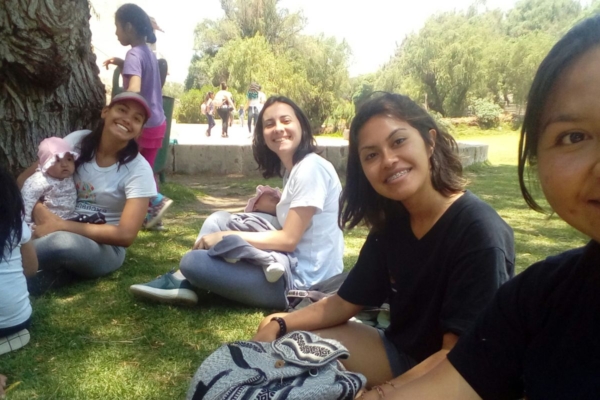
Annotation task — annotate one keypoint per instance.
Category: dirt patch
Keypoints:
(227, 193)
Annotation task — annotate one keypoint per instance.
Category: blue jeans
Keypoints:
(242, 282)
(252, 116)
(77, 254)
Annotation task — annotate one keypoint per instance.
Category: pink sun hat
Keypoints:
(260, 190)
(52, 147)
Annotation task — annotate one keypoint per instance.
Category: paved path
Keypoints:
(194, 134)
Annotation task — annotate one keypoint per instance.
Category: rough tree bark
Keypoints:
(49, 83)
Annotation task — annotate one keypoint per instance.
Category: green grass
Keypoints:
(92, 340)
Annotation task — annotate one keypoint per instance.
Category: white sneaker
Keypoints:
(14, 342)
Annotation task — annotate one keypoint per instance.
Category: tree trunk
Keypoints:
(49, 83)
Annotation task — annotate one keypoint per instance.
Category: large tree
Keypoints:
(49, 83)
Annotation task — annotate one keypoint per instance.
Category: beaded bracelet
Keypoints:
(282, 326)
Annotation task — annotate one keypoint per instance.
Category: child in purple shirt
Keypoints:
(141, 74)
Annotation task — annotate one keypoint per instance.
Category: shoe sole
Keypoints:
(169, 296)
(159, 216)
(15, 341)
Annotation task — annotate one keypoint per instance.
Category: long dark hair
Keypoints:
(581, 38)
(268, 162)
(359, 201)
(90, 143)
(138, 18)
(11, 214)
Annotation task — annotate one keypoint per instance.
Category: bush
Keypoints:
(441, 122)
(487, 113)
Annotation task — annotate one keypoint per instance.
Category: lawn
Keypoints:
(92, 340)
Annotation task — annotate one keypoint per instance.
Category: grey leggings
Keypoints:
(242, 282)
(77, 254)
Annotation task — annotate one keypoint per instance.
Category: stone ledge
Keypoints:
(238, 159)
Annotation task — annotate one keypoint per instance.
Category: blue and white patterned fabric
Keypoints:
(299, 365)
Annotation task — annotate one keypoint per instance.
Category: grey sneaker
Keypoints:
(166, 289)
(14, 342)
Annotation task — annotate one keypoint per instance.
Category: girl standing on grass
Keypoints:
(540, 336)
(141, 75)
(435, 252)
(114, 184)
(17, 261)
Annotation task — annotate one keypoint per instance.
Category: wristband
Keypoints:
(282, 326)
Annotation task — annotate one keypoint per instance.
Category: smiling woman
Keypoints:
(435, 252)
(114, 183)
(304, 224)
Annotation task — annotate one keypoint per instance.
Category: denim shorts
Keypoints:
(399, 361)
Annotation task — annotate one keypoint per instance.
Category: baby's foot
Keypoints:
(273, 272)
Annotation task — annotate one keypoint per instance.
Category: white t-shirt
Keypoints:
(105, 189)
(15, 307)
(313, 182)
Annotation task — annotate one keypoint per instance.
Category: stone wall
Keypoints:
(228, 159)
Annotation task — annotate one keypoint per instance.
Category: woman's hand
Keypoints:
(208, 241)
(267, 333)
(2, 384)
(115, 61)
(45, 221)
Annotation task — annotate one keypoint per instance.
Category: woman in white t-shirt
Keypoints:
(17, 261)
(307, 212)
(114, 183)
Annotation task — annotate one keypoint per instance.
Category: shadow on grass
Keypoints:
(93, 340)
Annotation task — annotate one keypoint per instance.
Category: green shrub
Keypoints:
(441, 122)
(487, 113)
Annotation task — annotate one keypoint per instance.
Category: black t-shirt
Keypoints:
(436, 284)
(540, 336)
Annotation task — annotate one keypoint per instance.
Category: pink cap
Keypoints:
(50, 148)
(138, 98)
(260, 190)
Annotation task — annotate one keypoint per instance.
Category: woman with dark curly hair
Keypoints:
(306, 218)
(538, 338)
(435, 252)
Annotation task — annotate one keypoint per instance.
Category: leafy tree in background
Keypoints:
(258, 41)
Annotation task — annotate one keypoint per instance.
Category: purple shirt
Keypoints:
(140, 61)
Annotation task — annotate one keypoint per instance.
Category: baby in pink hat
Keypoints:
(53, 181)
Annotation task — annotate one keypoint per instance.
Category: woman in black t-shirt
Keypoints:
(435, 252)
(540, 336)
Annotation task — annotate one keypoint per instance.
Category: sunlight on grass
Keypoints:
(93, 340)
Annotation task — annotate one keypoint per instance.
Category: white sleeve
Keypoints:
(33, 189)
(310, 185)
(25, 234)
(140, 180)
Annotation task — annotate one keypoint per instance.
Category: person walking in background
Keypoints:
(209, 110)
(262, 98)
(223, 101)
(141, 75)
(252, 105)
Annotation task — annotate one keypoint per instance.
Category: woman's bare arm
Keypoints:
(331, 311)
(29, 259)
(286, 239)
(122, 234)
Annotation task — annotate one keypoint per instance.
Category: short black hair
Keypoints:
(581, 38)
(359, 201)
(268, 162)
